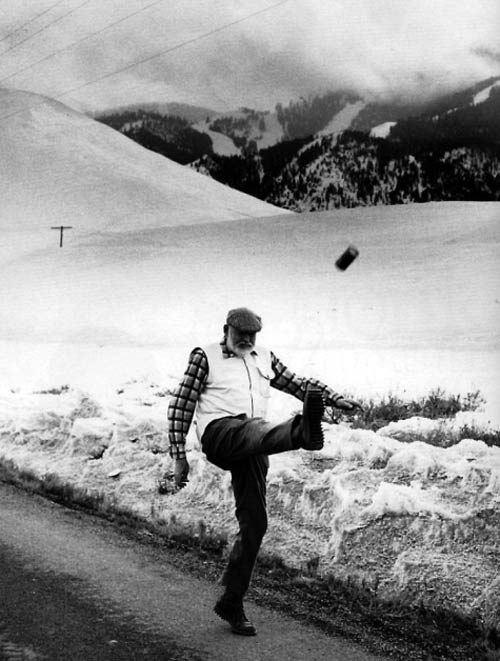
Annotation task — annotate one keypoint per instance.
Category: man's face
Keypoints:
(239, 341)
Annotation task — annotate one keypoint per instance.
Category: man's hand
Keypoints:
(181, 470)
(348, 405)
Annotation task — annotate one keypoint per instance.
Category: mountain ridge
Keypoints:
(339, 150)
(450, 151)
(251, 130)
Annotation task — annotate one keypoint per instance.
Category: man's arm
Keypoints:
(287, 381)
(182, 405)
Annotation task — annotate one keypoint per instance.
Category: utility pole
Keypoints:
(61, 228)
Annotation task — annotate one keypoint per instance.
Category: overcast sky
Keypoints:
(386, 48)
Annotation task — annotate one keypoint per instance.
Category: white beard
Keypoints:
(241, 353)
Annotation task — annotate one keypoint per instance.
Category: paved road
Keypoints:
(73, 588)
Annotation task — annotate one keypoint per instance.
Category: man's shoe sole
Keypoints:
(245, 628)
(244, 631)
(312, 414)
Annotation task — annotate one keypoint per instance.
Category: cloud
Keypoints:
(489, 54)
(385, 48)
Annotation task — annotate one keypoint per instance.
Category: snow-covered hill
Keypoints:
(60, 167)
(418, 309)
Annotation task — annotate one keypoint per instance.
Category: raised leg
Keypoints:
(230, 440)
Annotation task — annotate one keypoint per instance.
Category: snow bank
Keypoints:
(405, 516)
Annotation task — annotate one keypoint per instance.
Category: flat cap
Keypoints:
(244, 319)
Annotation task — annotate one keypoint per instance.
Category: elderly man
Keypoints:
(228, 385)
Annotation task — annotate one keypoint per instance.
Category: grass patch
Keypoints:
(50, 486)
(489, 437)
(53, 391)
(437, 405)
(443, 438)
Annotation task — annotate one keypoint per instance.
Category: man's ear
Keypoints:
(225, 327)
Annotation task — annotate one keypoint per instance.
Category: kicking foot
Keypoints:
(235, 615)
(312, 414)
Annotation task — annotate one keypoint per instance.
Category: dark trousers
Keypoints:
(242, 445)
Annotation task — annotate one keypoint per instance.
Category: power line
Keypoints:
(45, 11)
(132, 65)
(45, 27)
(79, 41)
(174, 48)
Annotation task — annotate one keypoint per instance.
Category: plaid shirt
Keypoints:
(183, 402)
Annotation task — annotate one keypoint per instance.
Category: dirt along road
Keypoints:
(73, 587)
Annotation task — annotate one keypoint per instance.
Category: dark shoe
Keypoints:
(312, 414)
(235, 615)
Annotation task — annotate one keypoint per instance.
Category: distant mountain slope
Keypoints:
(357, 170)
(242, 131)
(343, 120)
(473, 121)
(169, 135)
(307, 117)
(375, 114)
(58, 166)
(227, 134)
(451, 151)
(337, 149)
(246, 131)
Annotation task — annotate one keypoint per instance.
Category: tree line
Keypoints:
(356, 170)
